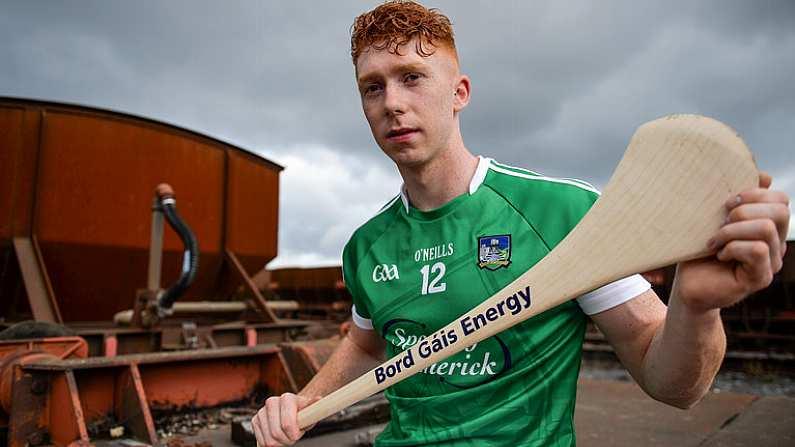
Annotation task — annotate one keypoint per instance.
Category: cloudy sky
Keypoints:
(558, 87)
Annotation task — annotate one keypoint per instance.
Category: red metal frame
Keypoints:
(56, 401)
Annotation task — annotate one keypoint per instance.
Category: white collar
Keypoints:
(474, 184)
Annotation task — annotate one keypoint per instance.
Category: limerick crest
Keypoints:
(494, 251)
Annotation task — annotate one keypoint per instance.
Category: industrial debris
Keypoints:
(373, 410)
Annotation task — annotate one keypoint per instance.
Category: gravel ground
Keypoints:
(762, 384)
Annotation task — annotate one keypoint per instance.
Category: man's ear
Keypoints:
(461, 94)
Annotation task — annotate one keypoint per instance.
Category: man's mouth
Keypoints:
(401, 134)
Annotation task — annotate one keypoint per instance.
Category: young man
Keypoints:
(461, 228)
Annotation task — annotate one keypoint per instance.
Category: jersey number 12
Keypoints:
(434, 286)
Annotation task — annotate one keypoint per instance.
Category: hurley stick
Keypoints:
(661, 206)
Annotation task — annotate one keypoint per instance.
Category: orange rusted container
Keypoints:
(76, 189)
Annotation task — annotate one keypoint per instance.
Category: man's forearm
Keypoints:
(684, 355)
(348, 362)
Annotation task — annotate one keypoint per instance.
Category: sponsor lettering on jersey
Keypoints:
(475, 365)
(485, 367)
(494, 251)
(435, 252)
(385, 272)
(426, 346)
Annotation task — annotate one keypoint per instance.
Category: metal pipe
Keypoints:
(210, 307)
(155, 247)
(190, 261)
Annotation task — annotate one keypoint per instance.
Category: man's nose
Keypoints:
(393, 100)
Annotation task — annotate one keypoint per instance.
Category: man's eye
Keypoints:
(372, 89)
(411, 77)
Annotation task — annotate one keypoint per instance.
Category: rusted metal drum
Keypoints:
(75, 201)
(22, 352)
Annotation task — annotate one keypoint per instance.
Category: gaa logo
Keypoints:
(385, 272)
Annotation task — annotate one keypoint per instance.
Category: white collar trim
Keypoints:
(474, 184)
(404, 196)
(480, 174)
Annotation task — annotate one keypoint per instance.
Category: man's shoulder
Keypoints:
(376, 226)
(505, 178)
(552, 205)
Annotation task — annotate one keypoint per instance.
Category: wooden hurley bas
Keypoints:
(661, 206)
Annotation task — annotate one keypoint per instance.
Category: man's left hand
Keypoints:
(749, 249)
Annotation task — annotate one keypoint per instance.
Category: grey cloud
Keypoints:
(619, 65)
(557, 86)
(325, 196)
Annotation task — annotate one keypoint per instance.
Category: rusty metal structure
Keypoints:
(760, 330)
(320, 291)
(82, 257)
(109, 319)
(763, 322)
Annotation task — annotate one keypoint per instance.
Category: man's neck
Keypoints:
(439, 181)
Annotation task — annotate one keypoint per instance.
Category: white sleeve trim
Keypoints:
(358, 320)
(613, 294)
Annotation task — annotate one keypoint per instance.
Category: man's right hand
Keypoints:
(276, 423)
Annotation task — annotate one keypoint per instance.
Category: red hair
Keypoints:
(395, 23)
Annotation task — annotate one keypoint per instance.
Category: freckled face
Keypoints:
(408, 101)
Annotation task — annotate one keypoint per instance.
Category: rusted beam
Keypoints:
(77, 408)
(134, 340)
(305, 358)
(65, 422)
(284, 378)
(60, 347)
(133, 408)
(259, 300)
(37, 284)
(153, 358)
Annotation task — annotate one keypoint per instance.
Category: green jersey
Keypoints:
(411, 272)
